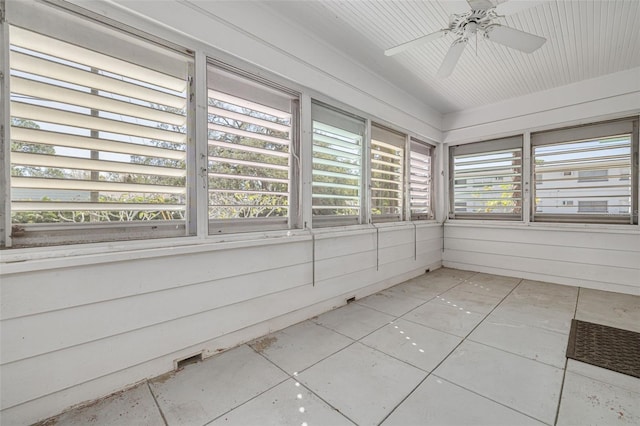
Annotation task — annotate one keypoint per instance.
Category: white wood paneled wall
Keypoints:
(599, 259)
(79, 333)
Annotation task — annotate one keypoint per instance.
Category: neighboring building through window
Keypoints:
(576, 164)
(593, 175)
(624, 174)
(592, 207)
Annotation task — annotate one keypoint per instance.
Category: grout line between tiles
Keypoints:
(513, 353)
(431, 328)
(396, 358)
(566, 362)
(448, 355)
(396, 317)
(492, 400)
(349, 337)
(595, 379)
(164, 419)
(308, 367)
(252, 398)
(294, 377)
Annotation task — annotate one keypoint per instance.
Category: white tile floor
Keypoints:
(448, 348)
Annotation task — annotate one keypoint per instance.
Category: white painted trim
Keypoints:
(366, 200)
(577, 227)
(526, 182)
(608, 97)
(5, 137)
(201, 148)
(502, 114)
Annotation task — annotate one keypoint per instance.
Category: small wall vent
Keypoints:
(181, 363)
(351, 299)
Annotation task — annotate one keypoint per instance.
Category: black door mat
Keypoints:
(603, 346)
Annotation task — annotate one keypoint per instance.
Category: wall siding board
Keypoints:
(627, 241)
(623, 276)
(327, 248)
(39, 334)
(396, 253)
(590, 256)
(601, 260)
(392, 237)
(425, 234)
(339, 266)
(34, 292)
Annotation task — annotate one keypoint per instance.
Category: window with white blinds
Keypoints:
(420, 180)
(251, 151)
(387, 174)
(486, 180)
(590, 166)
(337, 166)
(96, 138)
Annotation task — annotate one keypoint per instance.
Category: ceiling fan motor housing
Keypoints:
(466, 24)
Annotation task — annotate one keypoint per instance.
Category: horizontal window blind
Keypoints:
(337, 163)
(250, 141)
(95, 138)
(584, 179)
(420, 180)
(387, 174)
(487, 179)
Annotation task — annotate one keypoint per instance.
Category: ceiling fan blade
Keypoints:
(420, 40)
(515, 6)
(480, 4)
(515, 39)
(451, 59)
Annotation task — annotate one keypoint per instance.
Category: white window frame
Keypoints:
(486, 147)
(588, 132)
(352, 123)
(241, 86)
(44, 17)
(388, 138)
(431, 214)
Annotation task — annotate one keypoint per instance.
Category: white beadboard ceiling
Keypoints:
(585, 39)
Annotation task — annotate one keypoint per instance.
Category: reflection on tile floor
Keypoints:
(448, 348)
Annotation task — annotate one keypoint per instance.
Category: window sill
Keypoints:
(546, 226)
(41, 258)
(30, 259)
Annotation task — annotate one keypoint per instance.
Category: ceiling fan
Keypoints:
(480, 20)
